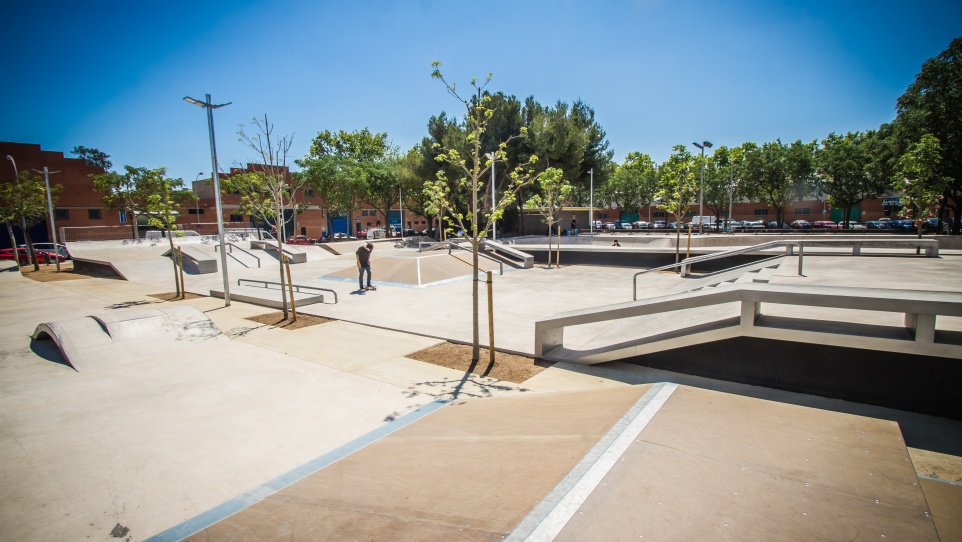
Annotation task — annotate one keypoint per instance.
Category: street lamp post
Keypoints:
(701, 190)
(591, 202)
(213, 158)
(494, 223)
(731, 193)
(197, 201)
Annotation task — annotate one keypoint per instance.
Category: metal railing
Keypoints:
(297, 287)
(233, 246)
(452, 245)
(685, 264)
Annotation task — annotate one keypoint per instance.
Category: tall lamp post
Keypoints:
(213, 158)
(591, 202)
(701, 190)
(494, 223)
(197, 201)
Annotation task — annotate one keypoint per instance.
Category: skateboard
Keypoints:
(371, 288)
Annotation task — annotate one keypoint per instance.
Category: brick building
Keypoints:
(77, 205)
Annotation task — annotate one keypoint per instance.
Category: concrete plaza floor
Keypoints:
(140, 444)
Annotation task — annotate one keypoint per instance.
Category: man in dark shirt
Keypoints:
(363, 255)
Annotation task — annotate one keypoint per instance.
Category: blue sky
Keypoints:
(112, 75)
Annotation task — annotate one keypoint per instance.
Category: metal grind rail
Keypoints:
(685, 264)
(216, 247)
(297, 288)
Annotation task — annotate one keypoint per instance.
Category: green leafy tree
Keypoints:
(778, 174)
(932, 104)
(920, 179)
(721, 183)
(25, 203)
(678, 187)
(633, 184)
(557, 191)
(412, 174)
(330, 171)
(93, 157)
(844, 168)
(472, 169)
(121, 192)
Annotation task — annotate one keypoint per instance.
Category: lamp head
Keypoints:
(706, 143)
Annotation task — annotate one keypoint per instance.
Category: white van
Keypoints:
(708, 221)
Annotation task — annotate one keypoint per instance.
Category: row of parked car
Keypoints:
(46, 253)
(931, 225)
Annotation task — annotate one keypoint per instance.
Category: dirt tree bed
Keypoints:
(276, 319)
(508, 367)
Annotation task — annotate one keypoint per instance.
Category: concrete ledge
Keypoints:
(920, 308)
(196, 261)
(295, 255)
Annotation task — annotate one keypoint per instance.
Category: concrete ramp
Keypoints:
(111, 336)
(661, 462)
(196, 261)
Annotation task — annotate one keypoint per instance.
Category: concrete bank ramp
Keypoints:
(109, 337)
(418, 270)
(661, 462)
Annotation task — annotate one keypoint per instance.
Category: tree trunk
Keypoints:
(133, 224)
(173, 258)
(13, 239)
(280, 262)
(31, 254)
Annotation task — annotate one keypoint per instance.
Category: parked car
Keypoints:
(658, 225)
(801, 225)
(876, 225)
(825, 225)
(49, 247)
(640, 225)
(902, 226)
(362, 234)
(609, 225)
(755, 225)
(774, 226)
(301, 240)
(24, 258)
(622, 225)
(852, 226)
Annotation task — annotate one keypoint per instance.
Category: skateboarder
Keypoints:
(363, 255)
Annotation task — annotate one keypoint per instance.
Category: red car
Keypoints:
(800, 225)
(42, 256)
(300, 240)
(826, 225)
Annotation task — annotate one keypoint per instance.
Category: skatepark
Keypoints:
(126, 417)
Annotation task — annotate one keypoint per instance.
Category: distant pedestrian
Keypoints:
(363, 255)
(616, 243)
(574, 225)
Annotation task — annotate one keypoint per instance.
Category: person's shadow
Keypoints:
(358, 292)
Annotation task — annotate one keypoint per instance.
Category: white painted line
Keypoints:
(551, 515)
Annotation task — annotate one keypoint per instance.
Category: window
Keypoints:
(689, 214)
(761, 212)
(93, 214)
(61, 214)
(658, 214)
(309, 193)
(236, 218)
(802, 211)
(195, 211)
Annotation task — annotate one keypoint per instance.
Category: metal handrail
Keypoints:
(451, 244)
(242, 250)
(297, 288)
(718, 255)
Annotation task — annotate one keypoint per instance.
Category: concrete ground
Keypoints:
(142, 444)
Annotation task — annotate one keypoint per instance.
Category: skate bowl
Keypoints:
(91, 340)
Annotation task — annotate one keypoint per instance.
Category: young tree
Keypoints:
(25, 203)
(920, 179)
(266, 192)
(679, 187)
(556, 191)
(121, 192)
(473, 169)
(161, 197)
